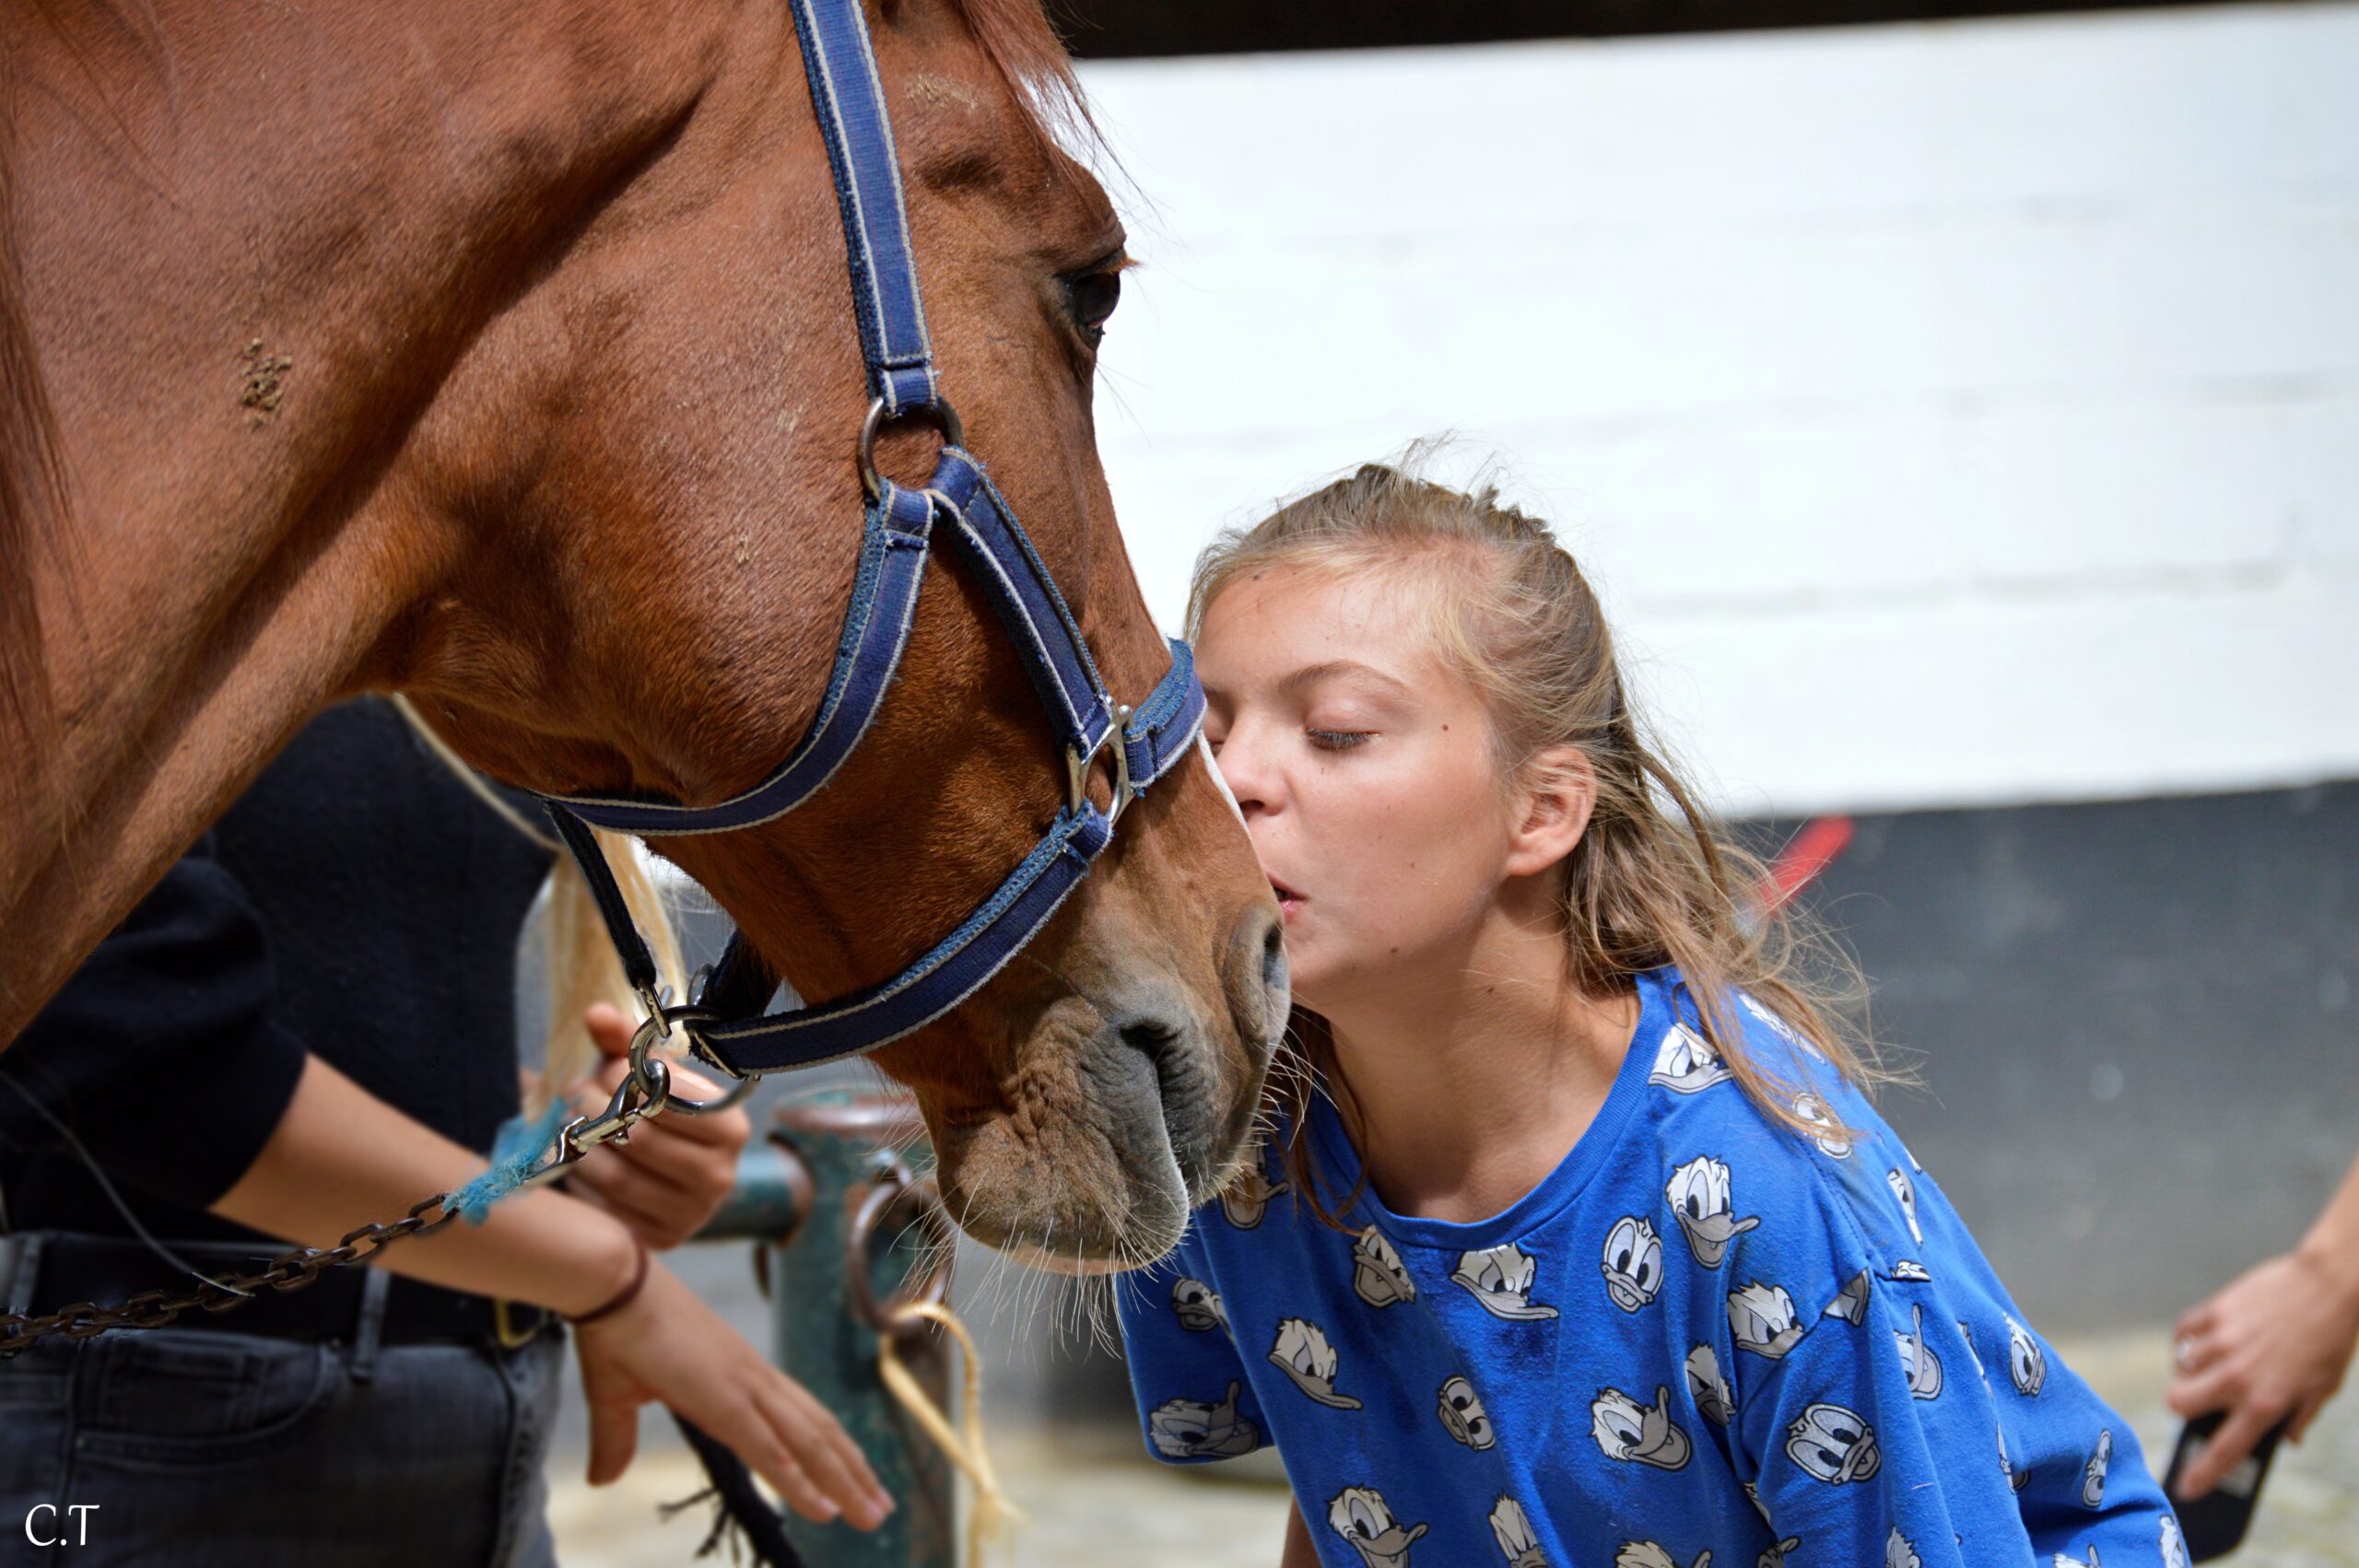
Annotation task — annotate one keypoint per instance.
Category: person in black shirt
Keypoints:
(309, 1023)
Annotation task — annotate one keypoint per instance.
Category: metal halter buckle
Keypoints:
(938, 413)
(1077, 766)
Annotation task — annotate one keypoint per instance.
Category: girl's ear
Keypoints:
(1560, 793)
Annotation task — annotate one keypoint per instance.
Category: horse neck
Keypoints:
(243, 302)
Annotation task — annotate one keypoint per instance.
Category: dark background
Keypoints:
(1106, 29)
(2134, 1026)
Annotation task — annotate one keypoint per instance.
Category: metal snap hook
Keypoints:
(654, 1075)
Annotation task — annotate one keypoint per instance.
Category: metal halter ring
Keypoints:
(939, 413)
(1077, 766)
(654, 1074)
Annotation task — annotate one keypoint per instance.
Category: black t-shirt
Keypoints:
(357, 903)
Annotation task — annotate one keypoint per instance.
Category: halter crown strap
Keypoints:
(959, 504)
(841, 65)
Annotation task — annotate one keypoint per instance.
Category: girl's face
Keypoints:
(1364, 768)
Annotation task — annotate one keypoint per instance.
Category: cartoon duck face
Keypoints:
(2093, 1474)
(1707, 1388)
(1186, 1429)
(1647, 1554)
(1814, 1110)
(2174, 1544)
(1195, 1305)
(2026, 1363)
(1628, 1430)
(1900, 1553)
(1833, 1445)
(1702, 1203)
(1902, 1269)
(1906, 1191)
(1303, 1353)
(1633, 1263)
(1461, 1415)
(1685, 1062)
(1377, 1277)
(1358, 1514)
(1850, 1303)
(1247, 1199)
(1776, 1556)
(1501, 1278)
(1512, 1530)
(1917, 1362)
(1761, 1317)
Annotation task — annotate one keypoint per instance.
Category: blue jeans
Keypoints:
(202, 1449)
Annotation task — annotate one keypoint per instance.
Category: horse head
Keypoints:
(500, 353)
(655, 603)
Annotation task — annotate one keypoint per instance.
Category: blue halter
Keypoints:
(958, 502)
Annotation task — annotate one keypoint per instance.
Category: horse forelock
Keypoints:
(1017, 38)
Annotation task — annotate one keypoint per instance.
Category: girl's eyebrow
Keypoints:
(1311, 675)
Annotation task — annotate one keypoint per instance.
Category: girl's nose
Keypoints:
(1243, 761)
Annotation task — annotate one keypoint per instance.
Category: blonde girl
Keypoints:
(1576, 1240)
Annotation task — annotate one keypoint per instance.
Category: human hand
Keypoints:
(2277, 1340)
(667, 1346)
(676, 1170)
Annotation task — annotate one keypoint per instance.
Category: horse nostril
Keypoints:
(1274, 959)
(1149, 1037)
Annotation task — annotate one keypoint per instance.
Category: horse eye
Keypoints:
(1090, 298)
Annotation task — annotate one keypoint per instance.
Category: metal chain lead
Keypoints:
(645, 1090)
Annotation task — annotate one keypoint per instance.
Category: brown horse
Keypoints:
(499, 352)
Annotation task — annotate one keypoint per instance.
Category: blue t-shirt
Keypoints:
(1702, 1337)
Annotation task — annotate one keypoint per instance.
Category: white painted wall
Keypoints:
(1951, 413)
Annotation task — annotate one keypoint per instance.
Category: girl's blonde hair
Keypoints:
(1655, 879)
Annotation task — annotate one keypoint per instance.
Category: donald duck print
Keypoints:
(1303, 1353)
(1702, 1202)
(1358, 1514)
(1247, 1199)
(1377, 1277)
(1512, 1530)
(1462, 1416)
(1833, 1445)
(1685, 1062)
(1633, 1263)
(1647, 1554)
(1501, 1278)
(1197, 1305)
(1641, 1434)
(1187, 1429)
(1761, 1319)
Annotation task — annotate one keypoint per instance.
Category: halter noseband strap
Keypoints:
(901, 527)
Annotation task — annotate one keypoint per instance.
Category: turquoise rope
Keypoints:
(516, 1154)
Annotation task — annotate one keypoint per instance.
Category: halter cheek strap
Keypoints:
(960, 505)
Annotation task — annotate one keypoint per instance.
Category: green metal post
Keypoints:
(845, 1230)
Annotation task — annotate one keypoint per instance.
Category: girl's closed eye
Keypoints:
(1338, 740)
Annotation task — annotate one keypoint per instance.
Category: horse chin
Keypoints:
(1101, 1150)
(1070, 1202)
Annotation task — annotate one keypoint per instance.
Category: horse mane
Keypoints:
(32, 489)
